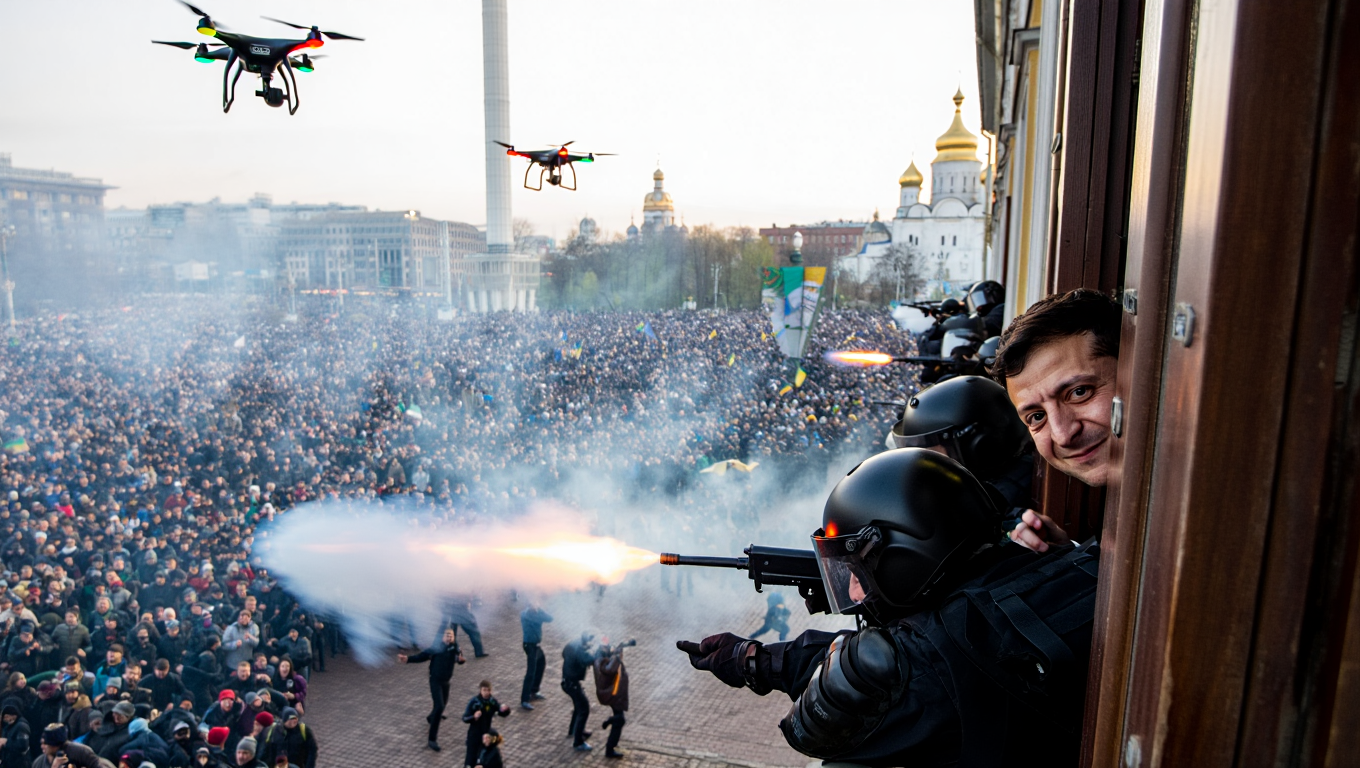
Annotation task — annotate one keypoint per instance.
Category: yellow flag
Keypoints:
(713, 335)
(799, 378)
(764, 335)
(732, 358)
(787, 389)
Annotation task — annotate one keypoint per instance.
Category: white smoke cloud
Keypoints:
(388, 571)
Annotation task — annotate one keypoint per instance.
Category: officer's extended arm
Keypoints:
(862, 678)
(763, 668)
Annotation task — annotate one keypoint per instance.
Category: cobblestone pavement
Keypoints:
(678, 717)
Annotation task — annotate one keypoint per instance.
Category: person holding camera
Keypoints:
(58, 751)
(611, 689)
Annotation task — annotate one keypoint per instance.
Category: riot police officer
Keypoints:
(968, 649)
(971, 420)
(986, 300)
(928, 341)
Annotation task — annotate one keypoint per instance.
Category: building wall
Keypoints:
(1022, 89)
(50, 203)
(823, 242)
(948, 241)
(375, 251)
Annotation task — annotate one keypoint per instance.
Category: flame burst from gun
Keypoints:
(860, 357)
(382, 566)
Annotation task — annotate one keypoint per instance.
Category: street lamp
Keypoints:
(6, 232)
(796, 257)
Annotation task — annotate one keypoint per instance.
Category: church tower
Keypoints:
(955, 172)
(910, 184)
(658, 210)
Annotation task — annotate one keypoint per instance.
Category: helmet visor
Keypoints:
(948, 439)
(956, 339)
(977, 298)
(846, 563)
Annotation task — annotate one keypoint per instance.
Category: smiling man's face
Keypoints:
(1063, 396)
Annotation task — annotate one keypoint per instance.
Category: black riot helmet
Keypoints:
(962, 322)
(971, 418)
(901, 525)
(984, 295)
(987, 352)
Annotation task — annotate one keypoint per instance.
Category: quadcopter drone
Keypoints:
(551, 162)
(259, 55)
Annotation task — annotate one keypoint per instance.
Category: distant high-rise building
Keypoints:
(51, 203)
(58, 250)
(377, 251)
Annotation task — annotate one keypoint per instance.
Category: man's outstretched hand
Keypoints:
(723, 655)
(1038, 532)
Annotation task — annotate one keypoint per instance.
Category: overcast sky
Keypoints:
(759, 111)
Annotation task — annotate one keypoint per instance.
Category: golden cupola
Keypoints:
(658, 199)
(911, 177)
(956, 143)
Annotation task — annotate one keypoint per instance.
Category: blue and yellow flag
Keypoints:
(800, 377)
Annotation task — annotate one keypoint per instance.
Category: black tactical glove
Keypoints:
(729, 658)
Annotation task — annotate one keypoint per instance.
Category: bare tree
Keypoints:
(896, 276)
(521, 229)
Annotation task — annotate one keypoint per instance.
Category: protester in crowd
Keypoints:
(531, 621)
(291, 738)
(478, 714)
(577, 658)
(611, 690)
(489, 753)
(56, 742)
(443, 656)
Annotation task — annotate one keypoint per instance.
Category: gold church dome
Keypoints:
(956, 143)
(658, 199)
(911, 177)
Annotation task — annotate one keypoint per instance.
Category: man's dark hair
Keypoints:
(1057, 317)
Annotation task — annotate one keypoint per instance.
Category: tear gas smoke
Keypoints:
(328, 552)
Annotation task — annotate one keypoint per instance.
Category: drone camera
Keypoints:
(272, 96)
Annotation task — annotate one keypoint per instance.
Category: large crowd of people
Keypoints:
(143, 446)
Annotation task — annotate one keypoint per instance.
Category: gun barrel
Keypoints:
(738, 563)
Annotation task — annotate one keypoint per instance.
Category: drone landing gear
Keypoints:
(554, 177)
(229, 91)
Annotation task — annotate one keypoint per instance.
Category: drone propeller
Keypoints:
(507, 146)
(568, 144)
(205, 23)
(604, 154)
(330, 35)
(185, 46)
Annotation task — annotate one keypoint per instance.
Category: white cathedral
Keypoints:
(946, 232)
